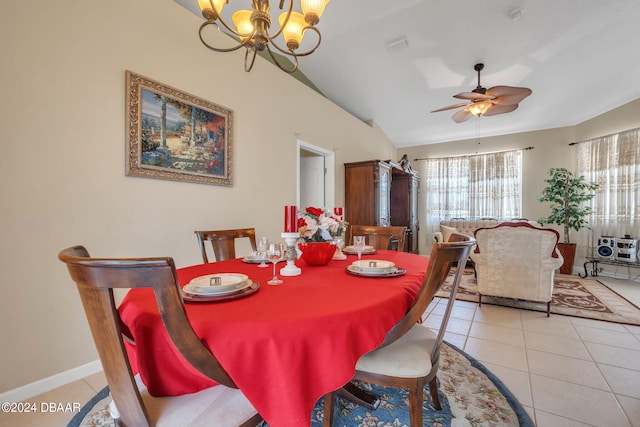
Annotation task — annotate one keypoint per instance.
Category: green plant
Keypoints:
(566, 193)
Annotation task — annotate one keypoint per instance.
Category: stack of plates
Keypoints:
(217, 285)
(256, 259)
(352, 250)
(375, 268)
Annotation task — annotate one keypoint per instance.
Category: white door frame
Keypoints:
(329, 176)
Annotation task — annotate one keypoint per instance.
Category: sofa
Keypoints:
(462, 226)
(516, 260)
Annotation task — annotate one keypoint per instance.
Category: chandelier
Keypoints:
(252, 29)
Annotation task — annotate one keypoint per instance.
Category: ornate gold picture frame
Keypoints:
(176, 136)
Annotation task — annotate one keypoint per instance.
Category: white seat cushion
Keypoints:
(407, 357)
(215, 406)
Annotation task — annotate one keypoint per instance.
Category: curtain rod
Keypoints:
(603, 136)
(476, 154)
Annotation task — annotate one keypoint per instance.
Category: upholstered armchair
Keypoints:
(516, 260)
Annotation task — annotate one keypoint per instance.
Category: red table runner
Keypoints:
(284, 346)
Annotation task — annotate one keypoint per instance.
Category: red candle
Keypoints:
(338, 211)
(290, 219)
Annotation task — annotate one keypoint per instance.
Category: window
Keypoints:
(613, 162)
(479, 186)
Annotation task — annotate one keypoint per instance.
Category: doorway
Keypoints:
(316, 176)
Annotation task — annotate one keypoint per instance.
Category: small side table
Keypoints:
(594, 261)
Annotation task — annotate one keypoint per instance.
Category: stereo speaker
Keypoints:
(627, 250)
(607, 247)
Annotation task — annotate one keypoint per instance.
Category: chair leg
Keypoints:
(433, 388)
(415, 404)
(549, 309)
(479, 299)
(329, 400)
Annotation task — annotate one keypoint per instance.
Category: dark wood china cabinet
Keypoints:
(383, 193)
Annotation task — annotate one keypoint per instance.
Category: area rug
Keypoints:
(469, 393)
(572, 296)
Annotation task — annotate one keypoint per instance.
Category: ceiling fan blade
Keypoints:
(451, 107)
(474, 96)
(508, 95)
(462, 116)
(496, 109)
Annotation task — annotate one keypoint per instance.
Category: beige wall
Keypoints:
(63, 158)
(551, 150)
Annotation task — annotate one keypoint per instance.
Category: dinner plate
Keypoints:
(372, 266)
(394, 272)
(226, 282)
(239, 293)
(367, 250)
(255, 259)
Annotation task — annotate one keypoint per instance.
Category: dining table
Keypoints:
(285, 346)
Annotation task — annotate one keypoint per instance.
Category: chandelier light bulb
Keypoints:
(211, 8)
(293, 31)
(313, 10)
(479, 108)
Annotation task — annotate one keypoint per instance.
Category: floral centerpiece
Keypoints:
(317, 228)
(320, 225)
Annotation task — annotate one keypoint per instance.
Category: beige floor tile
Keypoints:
(516, 381)
(545, 419)
(497, 353)
(465, 313)
(615, 356)
(455, 339)
(502, 316)
(622, 381)
(497, 333)
(568, 369)
(612, 338)
(97, 381)
(632, 408)
(635, 330)
(598, 324)
(455, 326)
(559, 326)
(576, 402)
(556, 345)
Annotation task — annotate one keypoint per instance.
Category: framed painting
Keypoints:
(176, 136)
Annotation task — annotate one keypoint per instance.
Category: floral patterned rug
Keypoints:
(470, 395)
(572, 296)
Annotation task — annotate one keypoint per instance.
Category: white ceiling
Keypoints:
(581, 58)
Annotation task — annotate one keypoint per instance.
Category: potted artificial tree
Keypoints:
(566, 193)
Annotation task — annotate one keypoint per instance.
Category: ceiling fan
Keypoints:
(487, 102)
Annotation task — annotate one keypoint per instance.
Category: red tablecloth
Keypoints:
(284, 346)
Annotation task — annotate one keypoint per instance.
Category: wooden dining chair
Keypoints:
(380, 237)
(223, 242)
(410, 352)
(96, 278)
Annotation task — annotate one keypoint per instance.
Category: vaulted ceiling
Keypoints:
(394, 62)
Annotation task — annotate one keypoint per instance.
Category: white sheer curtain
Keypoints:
(613, 162)
(478, 186)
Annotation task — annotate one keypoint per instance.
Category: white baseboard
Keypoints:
(46, 384)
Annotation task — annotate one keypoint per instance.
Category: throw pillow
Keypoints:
(447, 232)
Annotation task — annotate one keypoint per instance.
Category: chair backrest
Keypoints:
(380, 237)
(223, 242)
(443, 257)
(96, 278)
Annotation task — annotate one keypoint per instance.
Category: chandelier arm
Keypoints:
(275, 61)
(246, 57)
(217, 49)
(309, 52)
(284, 24)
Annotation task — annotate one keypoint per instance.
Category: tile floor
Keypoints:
(567, 372)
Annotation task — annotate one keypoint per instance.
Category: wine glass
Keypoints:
(275, 254)
(359, 245)
(339, 241)
(262, 244)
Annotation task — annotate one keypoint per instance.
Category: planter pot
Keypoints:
(568, 251)
(317, 253)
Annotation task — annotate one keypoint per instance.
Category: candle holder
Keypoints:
(291, 269)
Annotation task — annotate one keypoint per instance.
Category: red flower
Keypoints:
(315, 211)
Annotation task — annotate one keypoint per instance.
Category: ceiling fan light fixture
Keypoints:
(479, 108)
